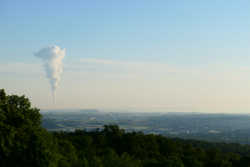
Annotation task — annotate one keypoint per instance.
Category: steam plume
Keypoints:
(52, 57)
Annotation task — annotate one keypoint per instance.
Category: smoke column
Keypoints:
(52, 57)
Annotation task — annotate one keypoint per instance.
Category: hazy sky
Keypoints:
(159, 54)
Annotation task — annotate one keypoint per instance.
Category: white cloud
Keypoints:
(107, 83)
(52, 57)
(21, 68)
(128, 68)
(110, 69)
(104, 69)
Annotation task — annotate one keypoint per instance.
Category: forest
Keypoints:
(24, 142)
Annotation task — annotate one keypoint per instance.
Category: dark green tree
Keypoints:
(192, 157)
(22, 141)
(234, 159)
(213, 158)
(244, 161)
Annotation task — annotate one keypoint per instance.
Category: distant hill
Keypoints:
(49, 124)
(89, 111)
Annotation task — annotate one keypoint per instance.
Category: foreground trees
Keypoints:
(23, 142)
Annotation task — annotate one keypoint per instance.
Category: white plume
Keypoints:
(52, 57)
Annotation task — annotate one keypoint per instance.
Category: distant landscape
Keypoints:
(227, 128)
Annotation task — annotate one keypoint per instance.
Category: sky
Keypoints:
(129, 54)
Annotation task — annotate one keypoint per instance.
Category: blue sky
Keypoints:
(201, 38)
